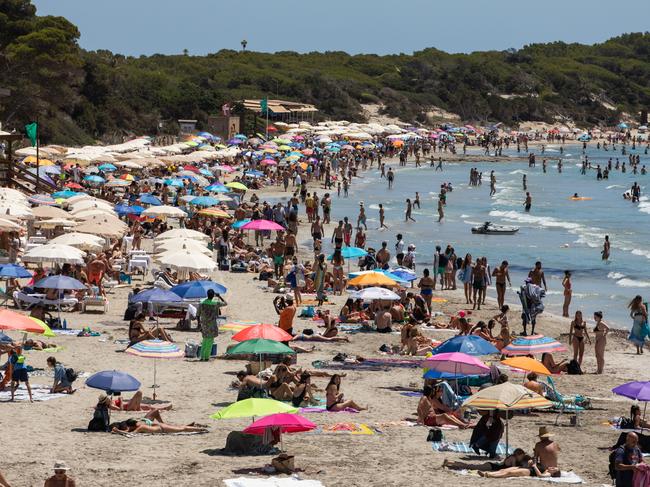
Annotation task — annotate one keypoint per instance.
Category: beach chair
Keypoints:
(563, 404)
(98, 301)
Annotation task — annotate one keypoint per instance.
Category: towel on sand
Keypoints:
(67, 331)
(323, 409)
(39, 393)
(565, 478)
(460, 447)
(182, 433)
(348, 428)
(378, 363)
(292, 481)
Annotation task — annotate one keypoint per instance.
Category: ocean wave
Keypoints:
(632, 283)
(614, 186)
(517, 171)
(615, 275)
(641, 253)
(545, 221)
(465, 216)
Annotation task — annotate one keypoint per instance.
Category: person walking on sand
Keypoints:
(600, 331)
(566, 284)
(528, 203)
(409, 209)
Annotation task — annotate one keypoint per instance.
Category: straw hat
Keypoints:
(544, 433)
(59, 465)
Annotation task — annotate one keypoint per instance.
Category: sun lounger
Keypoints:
(26, 301)
(97, 301)
(563, 404)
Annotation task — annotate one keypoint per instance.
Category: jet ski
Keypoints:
(491, 229)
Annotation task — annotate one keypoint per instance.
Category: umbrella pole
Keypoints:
(507, 432)
(645, 406)
(154, 379)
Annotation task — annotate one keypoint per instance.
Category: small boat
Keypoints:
(491, 229)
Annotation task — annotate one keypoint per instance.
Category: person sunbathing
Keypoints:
(533, 384)
(432, 412)
(297, 371)
(531, 470)
(153, 424)
(416, 344)
(280, 386)
(37, 344)
(251, 386)
(517, 459)
(554, 368)
(348, 315)
(334, 398)
(134, 404)
(138, 332)
(308, 335)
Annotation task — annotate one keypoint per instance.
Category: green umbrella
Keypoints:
(259, 346)
(253, 407)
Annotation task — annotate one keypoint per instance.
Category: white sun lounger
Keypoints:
(26, 301)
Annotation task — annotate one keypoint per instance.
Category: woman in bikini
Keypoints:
(303, 394)
(431, 411)
(334, 397)
(153, 426)
(349, 315)
(503, 340)
(280, 386)
(426, 286)
(501, 275)
(337, 271)
(600, 331)
(577, 334)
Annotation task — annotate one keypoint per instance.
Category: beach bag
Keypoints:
(191, 350)
(574, 368)
(435, 434)
(308, 312)
(71, 375)
(626, 424)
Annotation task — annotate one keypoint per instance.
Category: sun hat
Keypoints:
(544, 433)
(59, 465)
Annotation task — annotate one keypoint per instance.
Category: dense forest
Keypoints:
(81, 96)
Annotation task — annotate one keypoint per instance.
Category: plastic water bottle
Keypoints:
(65, 324)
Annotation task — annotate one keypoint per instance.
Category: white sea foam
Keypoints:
(632, 283)
(517, 171)
(641, 253)
(545, 221)
(615, 275)
(464, 216)
(615, 186)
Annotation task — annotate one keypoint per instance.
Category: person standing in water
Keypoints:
(416, 201)
(493, 183)
(524, 182)
(600, 331)
(566, 284)
(361, 219)
(441, 211)
(409, 209)
(528, 203)
(391, 177)
(606, 247)
(382, 217)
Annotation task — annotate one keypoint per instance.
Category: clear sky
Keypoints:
(136, 27)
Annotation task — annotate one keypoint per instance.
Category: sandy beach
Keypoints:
(38, 434)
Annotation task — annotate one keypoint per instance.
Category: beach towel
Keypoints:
(460, 447)
(380, 363)
(348, 428)
(565, 478)
(183, 433)
(292, 481)
(236, 326)
(39, 393)
(411, 393)
(323, 409)
(67, 331)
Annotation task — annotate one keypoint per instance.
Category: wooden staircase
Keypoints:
(16, 175)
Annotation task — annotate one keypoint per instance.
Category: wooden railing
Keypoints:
(17, 175)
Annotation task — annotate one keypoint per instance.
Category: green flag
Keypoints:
(31, 129)
(264, 105)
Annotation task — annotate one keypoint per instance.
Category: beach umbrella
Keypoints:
(117, 183)
(351, 253)
(104, 228)
(59, 282)
(175, 245)
(14, 271)
(506, 397)
(149, 199)
(527, 364)
(65, 194)
(217, 188)
(374, 293)
(402, 274)
(269, 162)
(55, 222)
(265, 331)
(156, 295)
(155, 349)
(467, 344)
(49, 212)
(83, 241)
(214, 213)
(196, 289)
(94, 179)
(639, 391)
(182, 233)
(8, 226)
(262, 225)
(56, 253)
(41, 199)
(108, 167)
(175, 183)
(129, 210)
(282, 422)
(10, 320)
(533, 344)
(259, 346)
(240, 223)
(456, 363)
(204, 201)
(164, 211)
(372, 279)
(113, 381)
(188, 260)
(236, 185)
(249, 408)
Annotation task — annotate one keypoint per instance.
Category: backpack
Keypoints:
(574, 368)
(435, 434)
(71, 375)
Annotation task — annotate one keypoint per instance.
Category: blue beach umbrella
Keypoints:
(156, 295)
(404, 274)
(434, 374)
(197, 289)
(60, 283)
(14, 271)
(238, 224)
(351, 253)
(94, 179)
(114, 381)
(176, 183)
(128, 210)
(204, 201)
(468, 344)
(107, 167)
(149, 199)
(217, 188)
(65, 194)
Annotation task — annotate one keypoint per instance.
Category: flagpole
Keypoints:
(38, 164)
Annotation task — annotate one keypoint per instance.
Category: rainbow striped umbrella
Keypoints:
(533, 344)
(155, 349)
(41, 199)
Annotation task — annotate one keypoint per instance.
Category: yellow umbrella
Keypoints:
(214, 213)
(506, 397)
(42, 162)
(372, 279)
(48, 331)
(236, 185)
(528, 364)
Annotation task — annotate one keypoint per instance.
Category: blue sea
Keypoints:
(563, 234)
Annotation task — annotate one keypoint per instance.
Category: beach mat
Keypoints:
(380, 363)
(411, 393)
(348, 428)
(566, 477)
(67, 331)
(39, 393)
(237, 326)
(292, 481)
(460, 447)
(183, 433)
(323, 409)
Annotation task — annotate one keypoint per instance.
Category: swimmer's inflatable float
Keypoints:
(580, 198)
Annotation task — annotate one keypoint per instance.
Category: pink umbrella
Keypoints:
(307, 152)
(224, 168)
(269, 162)
(284, 422)
(262, 225)
(456, 363)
